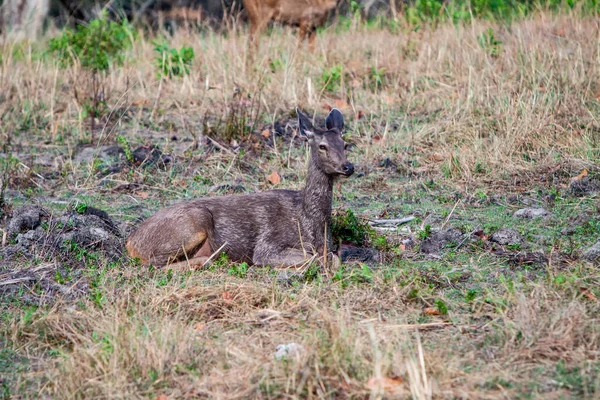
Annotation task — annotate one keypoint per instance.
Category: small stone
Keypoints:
(531, 212)
(507, 237)
(287, 351)
(592, 253)
(100, 233)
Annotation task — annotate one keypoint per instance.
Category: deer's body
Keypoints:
(306, 14)
(277, 228)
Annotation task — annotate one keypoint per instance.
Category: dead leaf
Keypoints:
(327, 107)
(266, 133)
(341, 104)
(437, 157)
(377, 137)
(588, 293)
(559, 32)
(387, 384)
(274, 178)
(431, 311)
(402, 246)
(162, 397)
(360, 114)
(227, 296)
(579, 177)
(143, 195)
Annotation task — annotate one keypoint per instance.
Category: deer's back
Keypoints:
(292, 11)
(242, 220)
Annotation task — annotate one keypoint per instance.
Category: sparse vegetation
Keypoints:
(458, 113)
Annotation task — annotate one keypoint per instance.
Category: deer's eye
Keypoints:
(322, 147)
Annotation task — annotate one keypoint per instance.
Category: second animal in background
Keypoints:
(307, 15)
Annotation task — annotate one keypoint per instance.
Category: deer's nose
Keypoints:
(348, 169)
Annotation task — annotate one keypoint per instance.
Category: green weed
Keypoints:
(171, 62)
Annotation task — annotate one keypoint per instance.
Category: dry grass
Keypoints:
(447, 107)
(209, 336)
(444, 98)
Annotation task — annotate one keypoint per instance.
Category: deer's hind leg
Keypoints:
(281, 259)
(181, 233)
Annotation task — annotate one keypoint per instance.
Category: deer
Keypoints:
(307, 15)
(278, 228)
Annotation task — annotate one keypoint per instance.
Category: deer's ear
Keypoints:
(305, 127)
(335, 119)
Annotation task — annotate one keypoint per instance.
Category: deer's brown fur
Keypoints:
(307, 15)
(277, 227)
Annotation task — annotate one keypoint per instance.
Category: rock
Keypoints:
(531, 212)
(438, 240)
(359, 254)
(29, 237)
(287, 351)
(104, 153)
(593, 253)
(150, 155)
(25, 218)
(584, 186)
(507, 237)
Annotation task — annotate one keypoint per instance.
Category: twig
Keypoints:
(421, 326)
(17, 280)
(449, 215)
(214, 254)
(395, 222)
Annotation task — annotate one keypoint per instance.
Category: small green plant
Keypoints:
(122, 140)
(441, 306)
(96, 46)
(171, 62)
(163, 280)
(81, 208)
(377, 78)
(331, 79)
(487, 41)
(275, 65)
(425, 233)
(346, 227)
(354, 275)
(240, 270)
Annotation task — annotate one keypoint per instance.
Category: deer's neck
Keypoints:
(315, 213)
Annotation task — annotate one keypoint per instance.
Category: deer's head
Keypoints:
(327, 145)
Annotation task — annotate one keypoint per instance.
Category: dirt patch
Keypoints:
(440, 240)
(46, 253)
(584, 187)
(530, 213)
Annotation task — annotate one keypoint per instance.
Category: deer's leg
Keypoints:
(172, 235)
(312, 35)
(303, 30)
(281, 259)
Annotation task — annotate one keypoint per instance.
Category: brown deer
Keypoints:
(307, 15)
(280, 228)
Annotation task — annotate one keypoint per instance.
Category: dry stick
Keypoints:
(449, 215)
(422, 360)
(17, 280)
(421, 326)
(214, 254)
(4, 234)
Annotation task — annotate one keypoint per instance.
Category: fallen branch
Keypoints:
(391, 222)
(17, 280)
